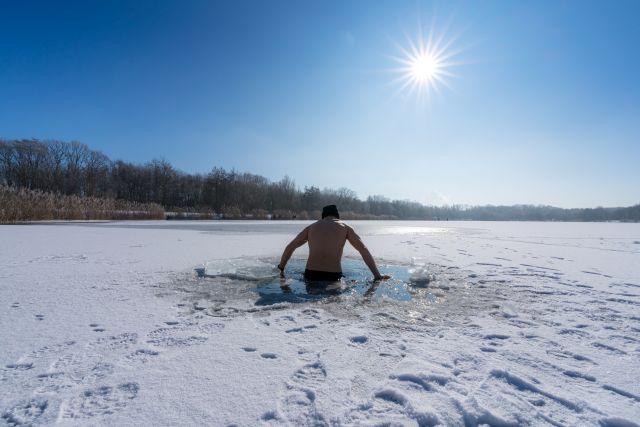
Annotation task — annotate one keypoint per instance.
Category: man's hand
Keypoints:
(382, 277)
(279, 267)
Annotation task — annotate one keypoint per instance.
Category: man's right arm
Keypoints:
(357, 243)
(298, 241)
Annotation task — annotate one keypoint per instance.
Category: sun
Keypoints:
(425, 64)
(424, 68)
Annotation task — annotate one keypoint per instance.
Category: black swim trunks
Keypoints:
(321, 276)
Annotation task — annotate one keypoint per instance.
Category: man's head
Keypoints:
(330, 210)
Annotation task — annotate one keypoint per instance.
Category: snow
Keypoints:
(176, 323)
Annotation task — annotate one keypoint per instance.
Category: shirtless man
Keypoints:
(326, 240)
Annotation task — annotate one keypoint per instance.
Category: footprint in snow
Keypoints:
(99, 371)
(496, 337)
(143, 355)
(425, 381)
(211, 327)
(311, 313)
(177, 341)
(622, 392)
(507, 379)
(268, 355)
(115, 342)
(395, 403)
(20, 366)
(39, 316)
(575, 332)
(297, 406)
(576, 374)
(569, 355)
(52, 382)
(359, 339)
(391, 395)
(25, 413)
(608, 348)
(301, 329)
(103, 400)
(616, 422)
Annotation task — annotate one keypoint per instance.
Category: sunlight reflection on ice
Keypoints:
(411, 230)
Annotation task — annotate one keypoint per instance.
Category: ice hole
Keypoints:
(416, 281)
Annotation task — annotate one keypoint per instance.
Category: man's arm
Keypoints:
(298, 241)
(357, 243)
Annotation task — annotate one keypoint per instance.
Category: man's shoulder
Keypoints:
(343, 225)
(313, 225)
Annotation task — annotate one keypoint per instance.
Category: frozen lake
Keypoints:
(518, 324)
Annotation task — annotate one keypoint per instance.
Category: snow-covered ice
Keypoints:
(185, 323)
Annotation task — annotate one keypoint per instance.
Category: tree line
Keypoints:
(73, 169)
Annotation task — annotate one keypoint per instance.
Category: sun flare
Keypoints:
(425, 65)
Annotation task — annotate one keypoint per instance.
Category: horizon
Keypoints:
(523, 103)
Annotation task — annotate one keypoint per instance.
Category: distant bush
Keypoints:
(21, 204)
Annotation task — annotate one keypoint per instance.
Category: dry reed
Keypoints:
(22, 204)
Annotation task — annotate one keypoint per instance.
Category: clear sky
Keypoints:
(544, 106)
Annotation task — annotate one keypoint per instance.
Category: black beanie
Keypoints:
(330, 210)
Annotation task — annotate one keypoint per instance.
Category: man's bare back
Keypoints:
(326, 239)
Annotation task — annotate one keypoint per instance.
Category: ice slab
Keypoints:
(242, 269)
(422, 274)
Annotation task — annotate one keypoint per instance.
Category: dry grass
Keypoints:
(33, 205)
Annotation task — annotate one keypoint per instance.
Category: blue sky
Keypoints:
(544, 106)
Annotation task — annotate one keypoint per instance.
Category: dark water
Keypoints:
(357, 281)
